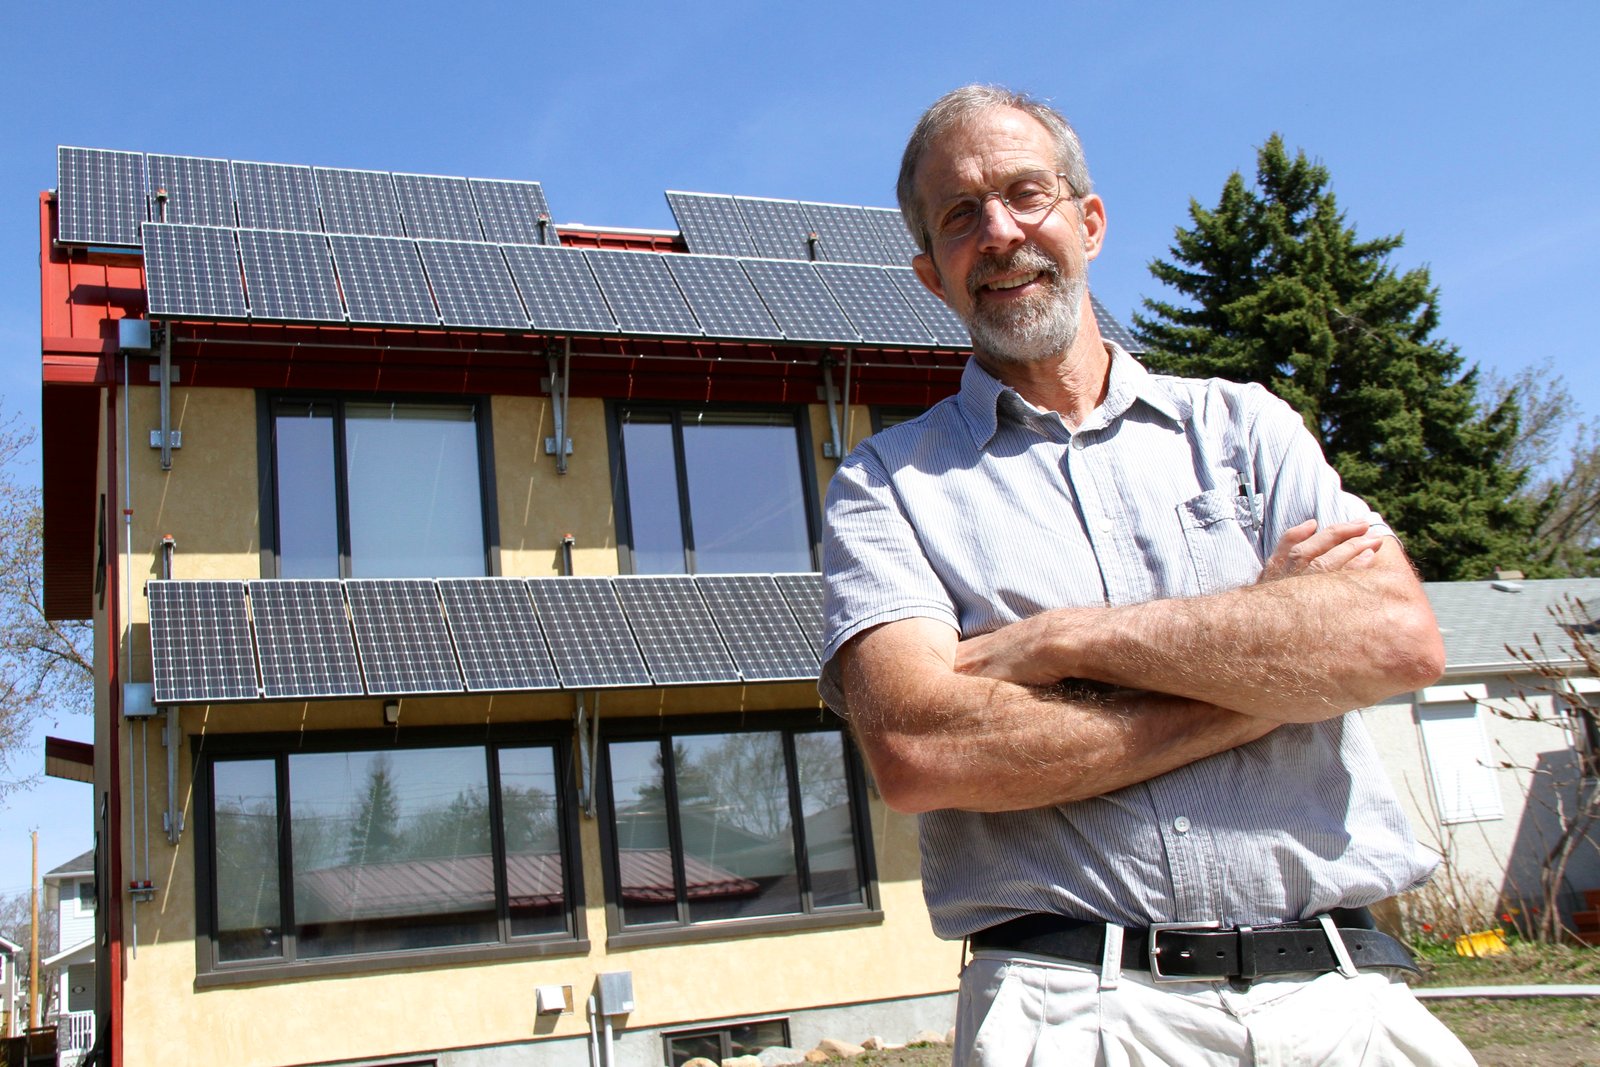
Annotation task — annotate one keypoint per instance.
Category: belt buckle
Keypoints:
(1153, 950)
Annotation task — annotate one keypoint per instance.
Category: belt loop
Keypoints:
(1247, 953)
(1111, 958)
(1347, 966)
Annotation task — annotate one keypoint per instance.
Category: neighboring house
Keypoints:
(1482, 788)
(11, 1021)
(398, 753)
(70, 891)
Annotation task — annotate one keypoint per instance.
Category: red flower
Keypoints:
(1427, 928)
(1506, 917)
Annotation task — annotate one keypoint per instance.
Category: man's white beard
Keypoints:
(1032, 330)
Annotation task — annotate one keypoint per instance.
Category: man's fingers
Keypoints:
(1305, 547)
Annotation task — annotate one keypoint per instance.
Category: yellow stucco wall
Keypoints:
(209, 503)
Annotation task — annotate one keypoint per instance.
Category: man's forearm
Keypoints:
(1298, 649)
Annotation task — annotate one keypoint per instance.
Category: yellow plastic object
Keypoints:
(1482, 943)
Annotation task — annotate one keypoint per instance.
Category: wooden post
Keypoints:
(33, 940)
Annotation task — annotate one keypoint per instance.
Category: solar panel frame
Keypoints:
(200, 645)
(497, 636)
(874, 304)
(100, 196)
(680, 643)
(402, 637)
(799, 301)
(710, 224)
(358, 202)
(289, 276)
(947, 328)
(510, 211)
(759, 628)
(722, 298)
(641, 293)
(276, 196)
(192, 272)
(559, 289)
(803, 594)
(1112, 329)
(303, 639)
(778, 228)
(588, 635)
(899, 246)
(438, 207)
(199, 191)
(472, 285)
(383, 280)
(846, 233)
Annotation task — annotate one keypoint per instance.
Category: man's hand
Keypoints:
(1304, 548)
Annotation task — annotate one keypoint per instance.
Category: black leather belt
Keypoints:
(1205, 952)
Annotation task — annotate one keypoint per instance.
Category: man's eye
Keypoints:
(1027, 196)
(958, 215)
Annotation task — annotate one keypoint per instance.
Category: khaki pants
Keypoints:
(1031, 1011)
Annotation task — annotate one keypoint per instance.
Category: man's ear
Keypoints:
(928, 274)
(1093, 213)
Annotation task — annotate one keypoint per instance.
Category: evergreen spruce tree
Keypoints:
(1279, 290)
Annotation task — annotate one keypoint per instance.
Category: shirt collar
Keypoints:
(983, 397)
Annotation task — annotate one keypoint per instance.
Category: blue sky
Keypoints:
(1470, 128)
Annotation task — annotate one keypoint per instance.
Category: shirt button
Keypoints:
(1105, 525)
(1181, 824)
(1078, 442)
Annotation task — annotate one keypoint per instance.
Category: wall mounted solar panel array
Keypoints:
(311, 639)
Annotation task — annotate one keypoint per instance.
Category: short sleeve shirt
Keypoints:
(986, 510)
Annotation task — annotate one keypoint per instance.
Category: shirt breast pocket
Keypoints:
(1223, 538)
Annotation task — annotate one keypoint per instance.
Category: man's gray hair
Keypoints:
(964, 104)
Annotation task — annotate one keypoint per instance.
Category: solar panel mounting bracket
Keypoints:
(838, 407)
(588, 741)
(558, 384)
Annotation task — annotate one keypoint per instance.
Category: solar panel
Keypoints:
(874, 305)
(472, 285)
(559, 289)
(200, 646)
(289, 276)
(1112, 329)
(675, 632)
(437, 207)
(303, 637)
(99, 196)
(275, 196)
(711, 224)
(779, 228)
(897, 241)
(588, 636)
(400, 630)
(641, 292)
(845, 234)
(758, 626)
(192, 271)
(497, 634)
(799, 301)
(198, 191)
(803, 593)
(513, 212)
(358, 201)
(721, 296)
(935, 314)
(383, 281)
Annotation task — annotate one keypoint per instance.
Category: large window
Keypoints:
(376, 489)
(709, 825)
(327, 850)
(714, 491)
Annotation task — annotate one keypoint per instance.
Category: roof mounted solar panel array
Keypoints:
(748, 226)
(384, 281)
(190, 190)
(472, 285)
(898, 244)
(779, 228)
(844, 234)
(722, 298)
(358, 202)
(304, 640)
(559, 289)
(799, 301)
(200, 643)
(935, 314)
(192, 271)
(275, 196)
(513, 212)
(289, 276)
(1111, 327)
(641, 293)
(874, 305)
(100, 196)
(711, 224)
(437, 207)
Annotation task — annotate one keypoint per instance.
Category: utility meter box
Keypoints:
(616, 992)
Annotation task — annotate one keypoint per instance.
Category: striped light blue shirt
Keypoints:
(986, 510)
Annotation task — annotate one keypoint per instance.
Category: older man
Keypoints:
(1102, 629)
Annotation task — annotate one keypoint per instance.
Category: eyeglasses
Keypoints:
(1029, 197)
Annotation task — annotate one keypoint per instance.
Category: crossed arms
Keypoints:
(1338, 621)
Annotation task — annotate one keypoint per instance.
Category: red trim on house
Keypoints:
(111, 839)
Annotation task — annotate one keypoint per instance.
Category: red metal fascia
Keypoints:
(624, 239)
(82, 295)
(116, 961)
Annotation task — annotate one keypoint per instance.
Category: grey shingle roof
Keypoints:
(80, 864)
(1479, 620)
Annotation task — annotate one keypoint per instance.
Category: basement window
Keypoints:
(725, 1042)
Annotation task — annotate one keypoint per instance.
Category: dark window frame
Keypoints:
(724, 1033)
(211, 749)
(267, 468)
(684, 930)
(615, 410)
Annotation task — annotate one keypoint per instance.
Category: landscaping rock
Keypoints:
(928, 1037)
(781, 1056)
(837, 1049)
(700, 1061)
(816, 1055)
(742, 1061)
